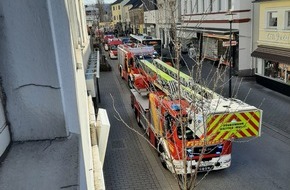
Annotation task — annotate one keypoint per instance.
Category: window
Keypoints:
(287, 19)
(278, 71)
(230, 4)
(119, 7)
(114, 17)
(119, 17)
(113, 8)
(185, 7)
(203, 6)
(272, 19)
(191, 6)
(210, 5)
(219, 5)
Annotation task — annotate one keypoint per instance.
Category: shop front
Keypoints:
(213, 48)
(273, 68)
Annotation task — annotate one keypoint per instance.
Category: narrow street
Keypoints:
(131, 163)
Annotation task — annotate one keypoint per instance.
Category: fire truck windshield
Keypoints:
(113, 47)
(189, 135)
(146, 57)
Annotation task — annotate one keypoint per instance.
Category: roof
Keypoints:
(150, 5)
(117, 2)
(131, 2)
(272, 54)
(137, 4)
(258, 1)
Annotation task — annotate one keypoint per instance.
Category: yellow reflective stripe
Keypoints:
(248, 124)
(218, 120)
(252, 118)
(214, 122)
(219, 135)
(239, 135)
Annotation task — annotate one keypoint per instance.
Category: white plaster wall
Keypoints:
(45, 89)
(80, 58)
(245, 41)
(123, 16)
(150, 16)
(245, 38)
(29, 71)
(245, 46)
(255, 36)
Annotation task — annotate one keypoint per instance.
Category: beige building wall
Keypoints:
(274, 36)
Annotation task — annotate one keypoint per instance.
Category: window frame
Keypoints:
(287, 19)
(210, 6)
(185, 7)
(191, 7)
(268, 19)
(219, 5)
(230, 4)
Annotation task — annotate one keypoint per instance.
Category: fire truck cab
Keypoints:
(129, 57)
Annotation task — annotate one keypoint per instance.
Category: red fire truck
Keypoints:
(191, 132)
(128, 57)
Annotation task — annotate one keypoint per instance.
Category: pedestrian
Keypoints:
(191, 52)
(171, 46)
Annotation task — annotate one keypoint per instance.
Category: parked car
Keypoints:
(113, 54)
(107, 37)
(112, 47)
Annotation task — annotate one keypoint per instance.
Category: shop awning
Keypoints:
(281, 55)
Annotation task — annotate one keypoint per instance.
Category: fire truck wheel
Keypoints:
(137, 115)
(120, 71)
(161, 157)
(130, 83)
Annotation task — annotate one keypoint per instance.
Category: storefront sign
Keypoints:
(278, 37)
(227, 43)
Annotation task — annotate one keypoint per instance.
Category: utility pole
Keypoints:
(230, 15)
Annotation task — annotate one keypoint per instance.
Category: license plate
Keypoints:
(204, 168)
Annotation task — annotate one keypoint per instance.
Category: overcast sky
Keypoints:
(86, 2)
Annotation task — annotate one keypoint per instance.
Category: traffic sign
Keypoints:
(227, 43)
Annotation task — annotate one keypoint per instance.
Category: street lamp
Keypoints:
(230, 15)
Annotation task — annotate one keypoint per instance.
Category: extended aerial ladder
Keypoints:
(186, 120)
(225, 118)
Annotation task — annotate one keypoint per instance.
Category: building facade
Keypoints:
(150, 17)
(272, 48)
(43, 78)
(206, 23)
(118, 15)
(167, 16)
(92, 15)
(136, 14)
